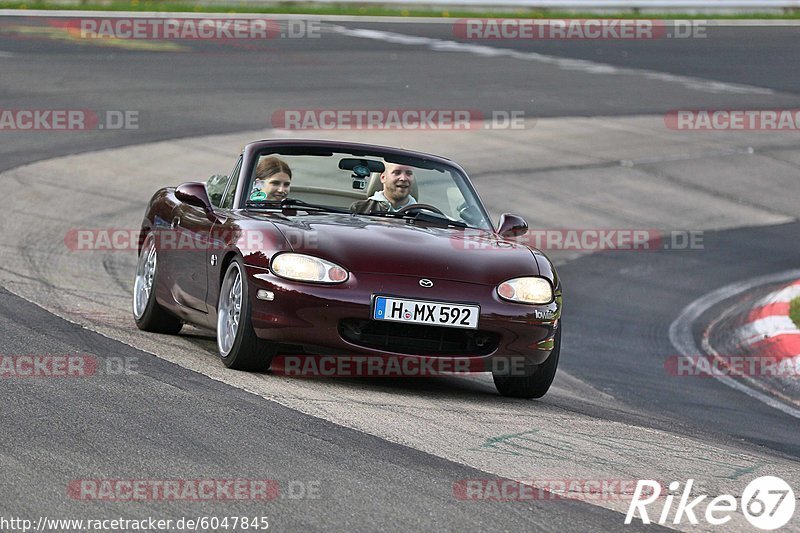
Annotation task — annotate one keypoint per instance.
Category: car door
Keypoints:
(220, 233)
(195, 248)
(187, 243)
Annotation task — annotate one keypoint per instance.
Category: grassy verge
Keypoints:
(356, 9)
(794, 311)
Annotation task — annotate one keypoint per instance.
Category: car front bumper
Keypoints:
(329, 317)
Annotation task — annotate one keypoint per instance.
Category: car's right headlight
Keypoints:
(527, 290)
(301, 267)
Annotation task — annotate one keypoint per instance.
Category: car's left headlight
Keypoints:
(528, 290)
(300, 267)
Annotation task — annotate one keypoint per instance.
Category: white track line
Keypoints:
(680, 331)
(581, 65)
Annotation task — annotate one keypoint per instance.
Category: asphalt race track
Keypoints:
(593, 151)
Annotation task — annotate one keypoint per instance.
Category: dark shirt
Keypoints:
(365, 207)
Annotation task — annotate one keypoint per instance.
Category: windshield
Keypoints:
(368, 185)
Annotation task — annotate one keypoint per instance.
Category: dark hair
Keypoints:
(270, 166)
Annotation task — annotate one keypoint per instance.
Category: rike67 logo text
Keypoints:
(767, 503)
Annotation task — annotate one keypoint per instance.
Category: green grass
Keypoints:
(794, 311)
(355, 9)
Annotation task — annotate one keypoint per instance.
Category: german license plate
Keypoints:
(424, 312)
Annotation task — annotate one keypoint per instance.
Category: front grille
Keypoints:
(416, 339)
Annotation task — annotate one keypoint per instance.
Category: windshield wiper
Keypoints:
(433, 218)
(296, 204)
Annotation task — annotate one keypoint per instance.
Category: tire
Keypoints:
(537, 383)
(237, 343)
(147, 313)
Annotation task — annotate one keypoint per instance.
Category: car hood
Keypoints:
(369, 244)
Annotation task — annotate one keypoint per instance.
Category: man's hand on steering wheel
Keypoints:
(419, 207)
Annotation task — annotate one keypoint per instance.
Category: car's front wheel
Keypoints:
(536, 381)
(147, 313)
(239, 347)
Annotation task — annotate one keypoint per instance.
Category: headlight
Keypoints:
(301, 267)
(526, 290)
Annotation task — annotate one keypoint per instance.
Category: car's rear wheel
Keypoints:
(147, 313)
(239, 347)
(537, 380)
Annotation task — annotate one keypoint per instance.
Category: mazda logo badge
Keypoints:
(425, 283)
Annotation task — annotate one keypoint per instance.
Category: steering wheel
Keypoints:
(419, 207)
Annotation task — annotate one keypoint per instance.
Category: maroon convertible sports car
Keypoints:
(338, 267)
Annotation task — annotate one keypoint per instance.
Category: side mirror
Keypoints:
(512, 225)
(193, 193)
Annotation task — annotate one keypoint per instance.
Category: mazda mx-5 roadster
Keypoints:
(337, 249)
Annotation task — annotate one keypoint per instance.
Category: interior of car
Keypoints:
(338, 180)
